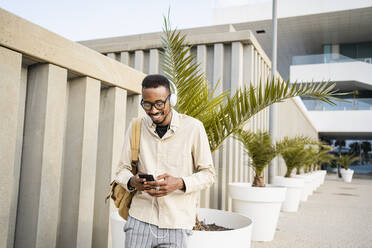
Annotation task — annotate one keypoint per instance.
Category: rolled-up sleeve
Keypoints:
(205, 174)
(124, 170)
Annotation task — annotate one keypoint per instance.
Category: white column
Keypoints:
(134, 108)
(223, 175)
(110, 143)
(248, 60)
(236, 66)
(241, 162)
(201, 57)
(10, 104)
(124, 58)
(218, 67)
(215, 186)
(112, 56)
(154, 61)
(133, 101)
(139, 60)
(248, 72)
(79, 170)
(256, 83)
(229, 174)
(39, 191)
(220, 164)
(236, 83)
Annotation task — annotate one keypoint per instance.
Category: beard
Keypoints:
(158, 118)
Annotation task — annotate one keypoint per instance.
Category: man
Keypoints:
(175, 149)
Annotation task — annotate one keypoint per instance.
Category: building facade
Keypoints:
(320, 40)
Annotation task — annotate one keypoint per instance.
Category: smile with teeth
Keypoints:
(156, 116)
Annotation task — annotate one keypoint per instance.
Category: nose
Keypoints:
(153, 110)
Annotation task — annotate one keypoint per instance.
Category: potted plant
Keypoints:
(292, 152)
(309, 161)
(323, 156)
(221, 114)
(304, 158)
(258, 201)
(340, 144)
(345, 161)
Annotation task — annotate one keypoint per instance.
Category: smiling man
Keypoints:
(174, 149)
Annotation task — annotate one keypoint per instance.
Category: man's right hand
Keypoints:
(139, 183)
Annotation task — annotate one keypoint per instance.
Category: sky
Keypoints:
(91, 19)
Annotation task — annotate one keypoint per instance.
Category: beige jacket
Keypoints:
(182, 152)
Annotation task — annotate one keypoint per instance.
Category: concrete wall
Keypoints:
(62, 122)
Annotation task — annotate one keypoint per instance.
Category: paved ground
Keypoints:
(338, 214)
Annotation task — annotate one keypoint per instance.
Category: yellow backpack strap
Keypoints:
(135, 139)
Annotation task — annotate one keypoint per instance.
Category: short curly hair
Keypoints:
(154, 81)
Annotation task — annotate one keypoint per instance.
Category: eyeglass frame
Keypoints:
(154, 104)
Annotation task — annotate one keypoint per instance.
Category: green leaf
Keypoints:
(222, 114)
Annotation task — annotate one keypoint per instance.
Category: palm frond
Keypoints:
(259, 147)
(346, 160)
(221, 113)
(294, 153)
(249, 101)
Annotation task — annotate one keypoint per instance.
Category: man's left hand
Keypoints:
(166, 186)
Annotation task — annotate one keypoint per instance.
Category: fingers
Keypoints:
(157, 193)
(139, 180)
(163, 176)
(156, 183)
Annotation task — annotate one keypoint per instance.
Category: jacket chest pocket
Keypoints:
(178, 161)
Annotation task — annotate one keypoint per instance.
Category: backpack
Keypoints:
(121, 197)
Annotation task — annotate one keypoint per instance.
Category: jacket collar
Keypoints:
(173, 125)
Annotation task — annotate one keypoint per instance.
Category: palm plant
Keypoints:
(293, 152)
(323, 156)
(309, 159)
(222, 114)
(340, 143)
(261, 150)
(346, 160)
(366, 147)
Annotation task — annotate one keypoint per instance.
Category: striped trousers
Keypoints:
(139, 234)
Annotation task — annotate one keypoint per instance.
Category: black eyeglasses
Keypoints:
(159, 104)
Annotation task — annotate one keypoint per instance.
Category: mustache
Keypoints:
(162, 113)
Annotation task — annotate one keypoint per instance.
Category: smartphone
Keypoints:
(148, 177)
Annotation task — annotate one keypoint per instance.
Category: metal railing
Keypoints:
(351, 104)
(326, 59)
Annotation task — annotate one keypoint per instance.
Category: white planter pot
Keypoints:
(294, 187)
(347, 175)
(317, 179)
(261, 204)
(314, 179)
(241, 234)
(308, 187)
(323, 174)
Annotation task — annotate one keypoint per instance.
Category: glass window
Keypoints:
(348, 50)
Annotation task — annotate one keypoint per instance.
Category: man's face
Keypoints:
(152, 95)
